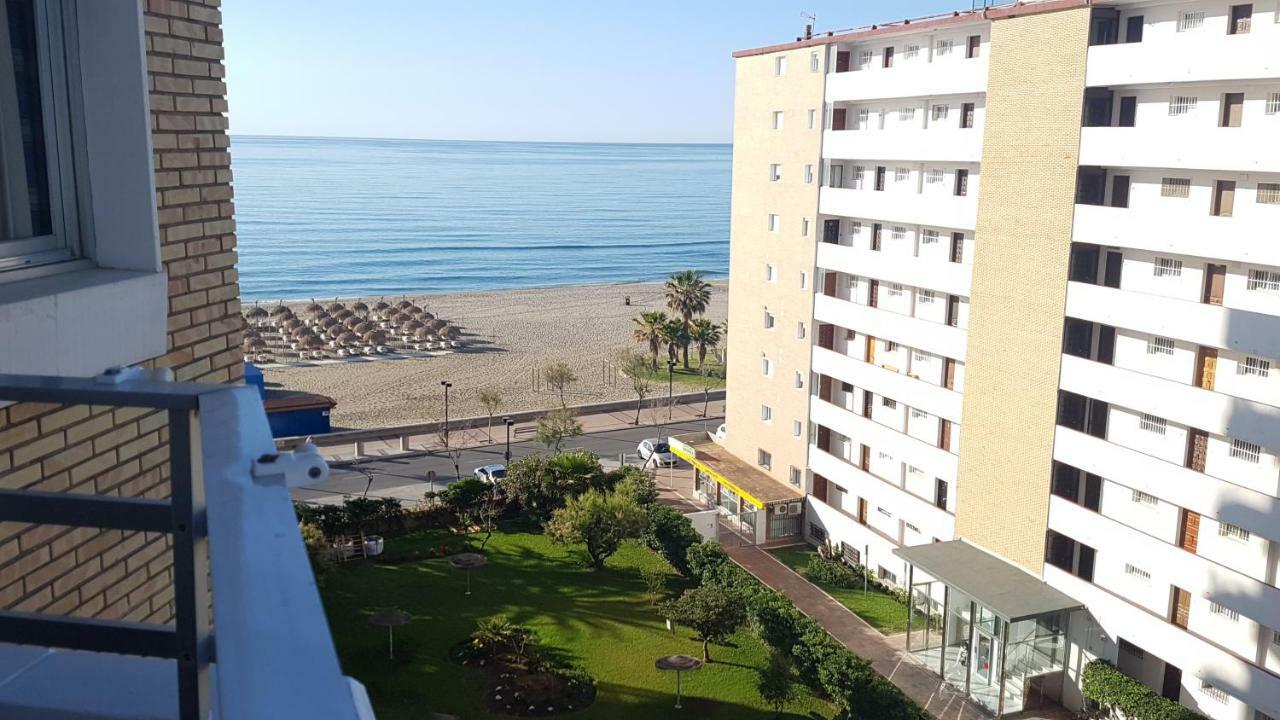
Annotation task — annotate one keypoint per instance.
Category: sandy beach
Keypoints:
(510, 334)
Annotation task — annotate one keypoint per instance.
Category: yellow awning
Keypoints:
(693, 460)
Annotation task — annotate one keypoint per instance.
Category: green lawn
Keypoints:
(601, 620)
(881, 610)
(690, 377)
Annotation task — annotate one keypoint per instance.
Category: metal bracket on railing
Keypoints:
(304, 466)
(117, 374)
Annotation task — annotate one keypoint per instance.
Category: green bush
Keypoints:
(351, 516)
(670, 534)
(1104, 684)
(705, 558)
(832, 572)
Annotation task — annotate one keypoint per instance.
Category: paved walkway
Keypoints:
(922, 686)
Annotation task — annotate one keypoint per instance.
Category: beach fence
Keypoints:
(609, 375)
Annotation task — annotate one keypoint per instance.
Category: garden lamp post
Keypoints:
(446, 385)
(671, 370)
(508, 422)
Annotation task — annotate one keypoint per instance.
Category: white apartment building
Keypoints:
(1045, 337)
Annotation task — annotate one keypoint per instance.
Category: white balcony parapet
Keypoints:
(1212, 412)
(932, 460)
(948, 277)
(918, 145)
(1200, 323)
(934, 399)
(926, 335)
(1195, 234)
(934, 210)
(1197, 59)
(903, 504)
(1203, 494)
(1242, 149)
(924, 80)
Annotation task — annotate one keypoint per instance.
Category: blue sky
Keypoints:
(559, 70)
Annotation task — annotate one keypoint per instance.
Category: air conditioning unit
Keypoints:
(795, 508)
(783, 509)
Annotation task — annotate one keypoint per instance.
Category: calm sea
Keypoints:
(322, 217)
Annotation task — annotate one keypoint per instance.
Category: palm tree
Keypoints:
(649, 330)
(676, 335)
(688, 294)
(707, 335)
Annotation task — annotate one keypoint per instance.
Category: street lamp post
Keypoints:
(446, 385)
(671, 369)
(508, 422)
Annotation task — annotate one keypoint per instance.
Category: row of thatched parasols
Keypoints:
(358, 329)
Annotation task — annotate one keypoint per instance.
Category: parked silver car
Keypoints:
(655, 451)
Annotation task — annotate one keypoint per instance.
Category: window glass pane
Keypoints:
(24, 184)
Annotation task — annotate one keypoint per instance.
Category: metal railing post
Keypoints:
(190, 564)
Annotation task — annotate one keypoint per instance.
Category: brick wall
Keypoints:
(116, 574)
(1026, 205)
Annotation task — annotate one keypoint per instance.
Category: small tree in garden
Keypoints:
(557, 426)
(670, 534)
(655, 583)
(636, 483)
(531, 485)
(559, 376)
(636, 367)
(713, 611)
(474, 504)
(599, 521)
(776, 683)
(706, 383)
(491, 400)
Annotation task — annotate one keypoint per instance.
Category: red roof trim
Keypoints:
(958, 18)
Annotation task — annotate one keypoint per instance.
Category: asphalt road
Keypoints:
(406, 478)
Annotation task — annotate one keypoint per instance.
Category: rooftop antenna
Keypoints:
(808, 26)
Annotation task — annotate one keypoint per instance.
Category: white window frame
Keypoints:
(813, 118)
(1273, 99)
(769, 320)
(1153, 424)
(780, 66)
(929, 237)
(764, 458)
(773, 222)
(797, 428)
(1191, 20)
(1183, 105)
(804, 227)
(940, 112)
(808, 174)
(1268, 193)
(775, 172)
(1166, 267)
(1222, 611)
(1245, 451)
(944, 47)
(814, 62)
(1234, 532)
(1157, 345)
(766, 367)
(799, 381)
(1256, 366)
(1263, 280)
(779, 119)
(1143, 498)
(800, 330)
(766, 414)
(1175, 187)
(910, 50)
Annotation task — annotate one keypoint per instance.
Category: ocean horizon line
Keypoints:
(261, 136)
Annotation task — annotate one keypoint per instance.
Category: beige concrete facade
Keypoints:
(1023, 243)
(788, 297)
(127, 575)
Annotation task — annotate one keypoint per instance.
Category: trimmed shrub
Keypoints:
(704, 558)
(832, 572)
(670, 534)
(1104, 684)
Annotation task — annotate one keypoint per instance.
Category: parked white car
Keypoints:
(655, 451)
(720, 432)
(491, 473)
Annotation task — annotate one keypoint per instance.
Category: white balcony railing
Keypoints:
(1242, 149)
(938, 145)
(935, 209)
(964, 77)
(1190, 58)
(947, 277)
(1197, 234)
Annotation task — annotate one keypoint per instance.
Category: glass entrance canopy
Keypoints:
(991, 630)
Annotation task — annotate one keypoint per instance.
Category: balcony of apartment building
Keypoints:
(989, 628)
(756, 507)
(249, 638)
(942, 130)
(1216, 305)
(925, 257)
(1225, 127)
(1182, 212)
(936, 195)
(948, 62)
(922, 319)
(1191, 42)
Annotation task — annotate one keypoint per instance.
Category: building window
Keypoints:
(895, 290)
(769, 274)
(1206, 687)
(1138, 573)
(944, 47)
(799, 379)
(797, 428)
(910, 51)
(891, 404)
(794, 474)
(918, 414)
(817, 533)
(934, 177)
(879, 508)
(766, 414)
(808, 174)
(780, 65)
(800, 331)
(907, 114)
(864, 58)
(1190, 20)
(773, 222)
(898, 233)
(1246, 451)
(1182, 104)
(1223, 611)
(1175, 187)
(764, 459)
(891, 346)
(1268, 280)
(768, 320)
(1159, 346)
(804, 279)
(886, 575)
(775, 172)
(1254, 366)
(962, 183)
(901, 174)
(1269, 193)
(1167, 267)
(940, 112)
(779, 119)
(1235, 532)
(804, 227)
(766, 367)
(37, 222)
(929, 237)
(864, 118)
(1127, 647)
(813, 62)
(1153, 424)
(813, 119)
(856, 175)
(1273, 99)
(926, 297)
(1144, 498)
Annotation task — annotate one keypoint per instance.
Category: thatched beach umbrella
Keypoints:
(377, 337)
(255, 343)
(335, 307)
(413, 325)
(364, 327)
(256, 313)
(291, 324)
(343, 314)
(329, 322)
(252, 333)
(401, 318)
(348, 338)
(360, 307)
(281, 310)
(380, 306)
(335, 332)
(425, 334)
(301, 332)
(436, 324)
(313, 343)
(403, 304)
(427, 316)
(352, 321)
(453, 332)
(315, 307)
